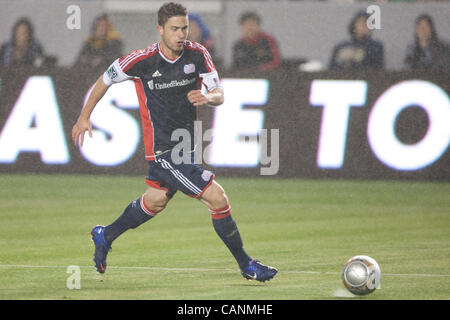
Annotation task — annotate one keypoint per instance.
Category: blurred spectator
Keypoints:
(361, 51)
(256, 50)
(199, 32)
(22, 48)
(103, 45)
(427, 51)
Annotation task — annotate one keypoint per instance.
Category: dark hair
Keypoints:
(25, 21)
(169, 10)
(249, 15)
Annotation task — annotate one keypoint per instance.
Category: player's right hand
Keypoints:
(79, 129)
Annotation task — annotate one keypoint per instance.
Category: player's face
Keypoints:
(174, 33)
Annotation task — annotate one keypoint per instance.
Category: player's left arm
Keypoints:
(213, 95)
(212, 98)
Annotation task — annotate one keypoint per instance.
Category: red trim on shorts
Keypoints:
(204, 189)
(155, 184)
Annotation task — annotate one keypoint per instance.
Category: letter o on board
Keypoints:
(381, 125)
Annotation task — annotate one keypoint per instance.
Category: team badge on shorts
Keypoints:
(206, 175)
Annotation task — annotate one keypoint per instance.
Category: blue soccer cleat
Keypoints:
(259, 272)
(101, 248)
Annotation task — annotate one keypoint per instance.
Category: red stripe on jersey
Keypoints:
(200, 83)
(147, 124)
(196, 46)
(128, 61)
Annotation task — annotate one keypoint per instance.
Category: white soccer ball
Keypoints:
(361, 275)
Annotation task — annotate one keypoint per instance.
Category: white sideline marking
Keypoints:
(217, 270)
(343, 293)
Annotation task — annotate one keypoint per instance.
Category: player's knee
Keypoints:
(155, 202)
(217, 197)
(156, 208)
(158, 205)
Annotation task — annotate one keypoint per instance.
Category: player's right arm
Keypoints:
(83, 123)
(114, 74)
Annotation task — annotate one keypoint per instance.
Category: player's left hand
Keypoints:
(197, 98)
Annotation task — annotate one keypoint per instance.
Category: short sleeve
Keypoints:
(207, 70)
(115, 74)
(210, 80)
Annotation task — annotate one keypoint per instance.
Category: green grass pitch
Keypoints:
(305, 228)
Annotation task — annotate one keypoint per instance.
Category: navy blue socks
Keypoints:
(134, 215)
(227, 230)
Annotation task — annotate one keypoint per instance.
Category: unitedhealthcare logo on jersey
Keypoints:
(171, 84)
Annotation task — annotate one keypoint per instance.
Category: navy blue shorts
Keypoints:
(189, 178)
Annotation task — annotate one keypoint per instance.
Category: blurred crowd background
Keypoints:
(260, 35)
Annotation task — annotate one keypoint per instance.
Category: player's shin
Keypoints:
(227, 230)
(135, 214)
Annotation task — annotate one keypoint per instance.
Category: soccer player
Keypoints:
(168, 76)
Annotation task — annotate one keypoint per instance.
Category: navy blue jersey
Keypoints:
(162, 86)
